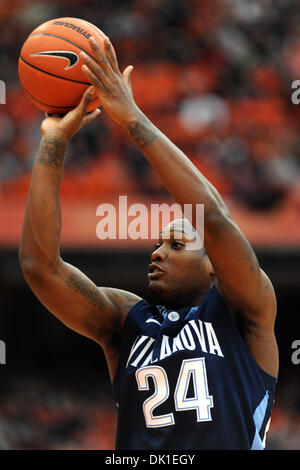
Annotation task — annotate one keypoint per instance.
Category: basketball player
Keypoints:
(198, 370)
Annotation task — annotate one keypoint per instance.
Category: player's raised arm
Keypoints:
(97, 313)
(246, 289)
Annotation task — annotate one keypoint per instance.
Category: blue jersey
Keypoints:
(186, 380)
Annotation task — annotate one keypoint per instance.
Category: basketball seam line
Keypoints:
(52, 74)
(52, 105)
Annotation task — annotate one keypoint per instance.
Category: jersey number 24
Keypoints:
(201, 401)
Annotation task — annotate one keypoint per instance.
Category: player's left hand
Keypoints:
(112, 87)
(64, 127)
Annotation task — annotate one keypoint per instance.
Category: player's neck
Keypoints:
(185, 303)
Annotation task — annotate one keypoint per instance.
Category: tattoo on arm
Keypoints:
(122, 301)
(88, 291)
(141, 133)
(127, 300)
(250, 256)
(51, 153)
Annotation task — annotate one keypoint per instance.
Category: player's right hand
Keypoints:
(64, 127)
(112, 87)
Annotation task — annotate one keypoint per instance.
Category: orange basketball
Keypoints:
(50, 66)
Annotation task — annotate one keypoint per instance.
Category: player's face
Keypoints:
(179, 274)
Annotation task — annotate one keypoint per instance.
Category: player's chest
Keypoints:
(174, 338)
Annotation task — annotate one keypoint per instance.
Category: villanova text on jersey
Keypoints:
(186, 381)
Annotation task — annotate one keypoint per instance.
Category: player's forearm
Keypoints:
(179, 175)
(39, 245)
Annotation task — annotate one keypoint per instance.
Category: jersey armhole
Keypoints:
(128, 318)
(270, 378)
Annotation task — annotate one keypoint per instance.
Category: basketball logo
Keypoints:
(71, 57)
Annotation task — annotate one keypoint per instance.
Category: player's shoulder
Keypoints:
(121, 299)
(265, 308)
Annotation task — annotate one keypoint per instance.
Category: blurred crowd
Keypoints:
(54, 414)
(214, 75)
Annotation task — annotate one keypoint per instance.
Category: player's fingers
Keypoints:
(127, 76)
(93, 79)
(111, 56)
(100, 57)
(94, 68)
(85, 100)
(90, 116)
